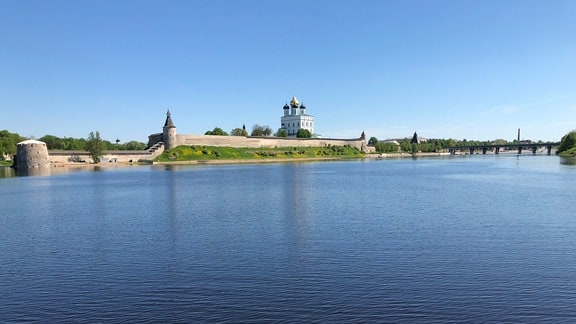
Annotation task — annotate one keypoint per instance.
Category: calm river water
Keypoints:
(475, 239)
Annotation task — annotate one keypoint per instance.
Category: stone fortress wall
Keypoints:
(157, 147)
(266, 142)
(168, 139)
(68, 157)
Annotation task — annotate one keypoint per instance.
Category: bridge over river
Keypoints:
(496, 148)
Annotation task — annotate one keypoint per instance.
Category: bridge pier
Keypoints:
(471, 151)
(484, 149)
(497, 150)
(519, 149)
(534, 148)
(549, 149)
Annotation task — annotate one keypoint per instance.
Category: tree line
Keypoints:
(434, 145)
(258, 130)
(9, 140)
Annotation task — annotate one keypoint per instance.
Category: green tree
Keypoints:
(258, 130)
(52, 142)
(133, 146)
(8, 143)
(568, 141)
(303, 133)
(405, 145)
(239, 132)
(281, 132)
(73, 144)
(94, 145)
(216, 131)
(107, 145)
(372, 141)
(383, 147)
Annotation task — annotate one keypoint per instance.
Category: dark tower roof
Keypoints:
(415, 139)
(169, 122)
(286, 106)
(302, 106)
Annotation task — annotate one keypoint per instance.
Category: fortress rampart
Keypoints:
(66, 157)
(157, 147)
(259, 142)
(34, 153)
(170, 139)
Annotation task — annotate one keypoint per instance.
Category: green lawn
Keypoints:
(203, 153)
(5, 163)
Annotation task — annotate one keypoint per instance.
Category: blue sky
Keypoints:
(469, 69)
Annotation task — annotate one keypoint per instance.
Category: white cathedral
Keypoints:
(295, 118)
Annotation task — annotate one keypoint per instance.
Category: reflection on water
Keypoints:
(482, 239)
(9, 172)
(568, 160)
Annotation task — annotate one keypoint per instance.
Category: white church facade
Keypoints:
(295, 118)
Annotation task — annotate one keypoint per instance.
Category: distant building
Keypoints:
(295, 118)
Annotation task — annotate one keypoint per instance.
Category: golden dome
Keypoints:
(294, 102)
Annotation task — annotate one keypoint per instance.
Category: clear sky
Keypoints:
(463, 69)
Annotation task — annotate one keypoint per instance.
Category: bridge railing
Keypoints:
(471, 149)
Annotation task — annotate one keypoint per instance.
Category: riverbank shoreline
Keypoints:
(404, 155)
(200, 162)
(369, 156)
(247, 161)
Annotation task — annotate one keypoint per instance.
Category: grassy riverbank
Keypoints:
(5, 163)
(208, 153)
(571, 152)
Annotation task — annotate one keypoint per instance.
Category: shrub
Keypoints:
(568, 141)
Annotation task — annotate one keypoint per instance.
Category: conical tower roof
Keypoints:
(169, 122)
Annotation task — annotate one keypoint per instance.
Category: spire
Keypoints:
(169, 122)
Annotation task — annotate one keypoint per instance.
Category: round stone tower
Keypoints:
(169, 133)
(32, 154)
